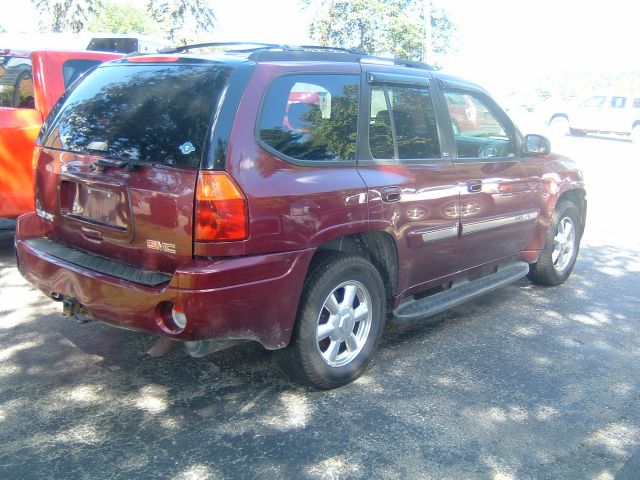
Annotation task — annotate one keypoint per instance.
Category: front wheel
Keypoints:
(560, 126)
(339, 323)
(558, 257)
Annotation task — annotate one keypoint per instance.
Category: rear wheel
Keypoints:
(339, 323)
(561, 247)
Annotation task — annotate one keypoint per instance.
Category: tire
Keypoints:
(561, 247)
(334, 337)
(560, 126)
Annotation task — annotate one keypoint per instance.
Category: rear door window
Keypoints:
(16, 83)
(618, 102)
(140, 113)
(402, 123)
(73, 69)
(311, 117)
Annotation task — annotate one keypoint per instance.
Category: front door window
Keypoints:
(479, 132)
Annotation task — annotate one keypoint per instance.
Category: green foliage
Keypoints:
(180, 19)
(381, 27)
(115, 17)
(64, 15)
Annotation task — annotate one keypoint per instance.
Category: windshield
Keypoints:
(140, 113)
(16, 83)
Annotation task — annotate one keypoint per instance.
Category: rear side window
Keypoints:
(636, 103)
(402, 123)
(72, 69)
(16, 83)
(140, 113)
(311, 117)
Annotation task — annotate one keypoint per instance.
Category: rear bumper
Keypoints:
(252, 297)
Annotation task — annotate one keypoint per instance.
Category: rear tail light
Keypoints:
(221, 209)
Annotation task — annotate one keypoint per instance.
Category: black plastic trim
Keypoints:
(378, 77)
(98, 263)
(224, 116)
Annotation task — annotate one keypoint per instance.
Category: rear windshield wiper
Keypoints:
(103, 163)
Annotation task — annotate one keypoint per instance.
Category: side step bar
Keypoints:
(439, 302)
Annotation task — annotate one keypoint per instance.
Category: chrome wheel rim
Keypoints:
(563, 244)
(344, 323)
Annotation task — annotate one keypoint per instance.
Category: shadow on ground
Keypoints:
(525, 382)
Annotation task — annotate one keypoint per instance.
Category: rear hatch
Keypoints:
(119, 158)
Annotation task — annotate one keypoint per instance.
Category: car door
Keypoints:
(497, 208)
(590, 114)
(412, 184)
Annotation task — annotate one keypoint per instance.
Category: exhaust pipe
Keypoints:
(202, 348)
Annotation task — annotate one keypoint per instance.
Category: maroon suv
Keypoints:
(297, 197)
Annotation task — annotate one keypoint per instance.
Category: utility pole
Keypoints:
(427, 50)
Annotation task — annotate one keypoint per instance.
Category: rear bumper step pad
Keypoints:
(98, 263)
(439, 302)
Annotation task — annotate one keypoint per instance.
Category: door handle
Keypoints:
(391, 194)
(474, 186)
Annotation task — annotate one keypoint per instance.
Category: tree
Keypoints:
(121, 18)
(181, 15)
(64, 15)
(381, 27)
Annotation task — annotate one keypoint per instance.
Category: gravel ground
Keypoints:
(523, 383)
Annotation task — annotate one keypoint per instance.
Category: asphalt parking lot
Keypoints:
(523, 383)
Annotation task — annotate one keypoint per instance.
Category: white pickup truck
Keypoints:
(617, 114)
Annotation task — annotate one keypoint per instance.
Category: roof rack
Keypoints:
(272, 51)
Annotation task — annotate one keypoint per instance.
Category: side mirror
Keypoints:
(536, 146)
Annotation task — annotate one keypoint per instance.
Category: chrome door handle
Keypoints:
(474, 186)
(391, 194)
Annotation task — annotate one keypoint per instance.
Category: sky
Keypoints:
(501, 42)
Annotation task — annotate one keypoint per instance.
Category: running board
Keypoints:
(457, 294)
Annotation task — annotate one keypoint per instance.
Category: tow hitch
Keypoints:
(72, 308)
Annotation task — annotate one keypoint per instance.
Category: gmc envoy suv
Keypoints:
(294, 196)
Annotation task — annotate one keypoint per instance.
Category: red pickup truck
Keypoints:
(30, 85)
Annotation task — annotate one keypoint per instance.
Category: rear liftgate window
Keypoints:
(140, 113)
(311, 117)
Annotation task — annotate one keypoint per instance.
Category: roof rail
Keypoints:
(273, 51)
(258, 46)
